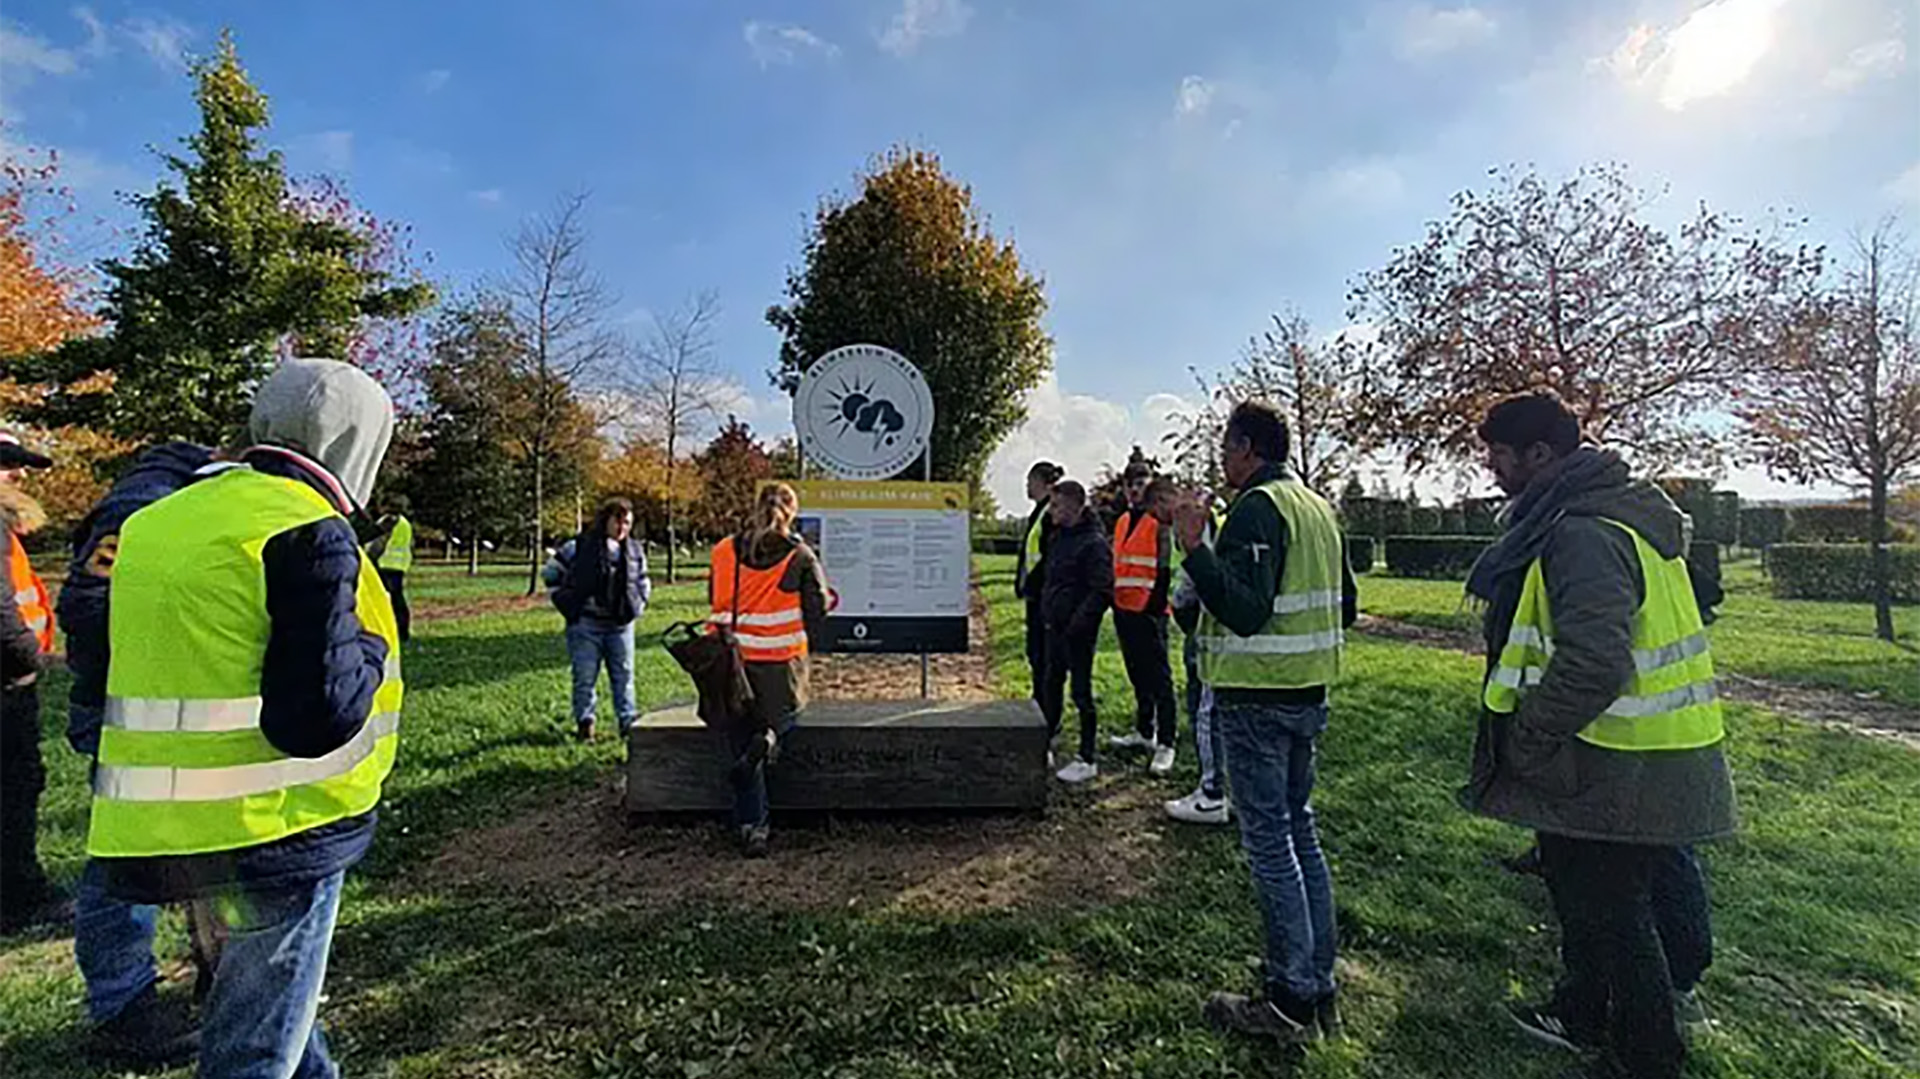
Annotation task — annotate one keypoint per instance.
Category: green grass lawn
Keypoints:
(1818, 905)
(1793, 641)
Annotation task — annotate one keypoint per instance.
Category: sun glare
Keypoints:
(1715, 49)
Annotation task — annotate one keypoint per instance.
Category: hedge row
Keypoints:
(1840, 571)
(1360, 553)
(1438, 557)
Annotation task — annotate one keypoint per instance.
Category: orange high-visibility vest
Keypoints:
(769, 626)
(36, 607)
(1136, 562)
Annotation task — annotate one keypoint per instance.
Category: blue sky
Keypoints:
(1176, 171)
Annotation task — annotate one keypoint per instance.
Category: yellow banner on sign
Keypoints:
(817, 495)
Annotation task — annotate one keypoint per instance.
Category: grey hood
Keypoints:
(330, 411)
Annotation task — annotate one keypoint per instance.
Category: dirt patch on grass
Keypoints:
(1862, 713)
(1092, 846)
(437, 610)
(967, 677)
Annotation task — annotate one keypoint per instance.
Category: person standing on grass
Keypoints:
(1207, 804)
(27, 897)
(113, 938)
(1143, 575)
(1029, 571)
(1601, 727)
(1276, 597)
(253, 707)
(767, 585)
(392, 552)
(1079, 588)
(598, 581)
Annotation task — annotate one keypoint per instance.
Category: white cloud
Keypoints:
(918, 20)
(1081, 432)
(1906, 186)
(1709, 54)
(1367, 184)
(1424, 31)
(434, 81)
(164, 40)
(24, 55)
(1882, 59)
(771, 44)
(488, 196)
(1194, 96)
(97, 44)
(327, 151)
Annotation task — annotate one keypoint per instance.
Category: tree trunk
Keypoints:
(473, 557)
(673, 535)
(1882, 559)
(539, 512)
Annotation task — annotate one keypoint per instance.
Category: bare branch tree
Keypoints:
(675, 386)
(1842, 401)
(559, 307)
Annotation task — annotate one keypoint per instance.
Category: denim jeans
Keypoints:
(1270, 753)
(750, 777)
(261, 1020)
(1683, 915)
(1208, 743)
(590, 644)
(112, 945)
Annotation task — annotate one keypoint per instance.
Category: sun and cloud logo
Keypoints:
(856, 409)
(863, 412)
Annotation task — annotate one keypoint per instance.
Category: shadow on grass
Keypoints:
(455, 660)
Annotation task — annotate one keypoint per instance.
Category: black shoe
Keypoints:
(1326, 1016)
(753, 840)
(147, 1034)
(1524, 864)
(1261, 1018)
(583, 731)
(1544, 1025)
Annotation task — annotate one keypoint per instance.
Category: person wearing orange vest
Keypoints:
(766, 584)
(27, 898)
(1142, 577)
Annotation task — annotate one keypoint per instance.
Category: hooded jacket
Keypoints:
(1079, 578)
(321, 667)
(1529, 768)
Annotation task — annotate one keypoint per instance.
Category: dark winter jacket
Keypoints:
(1079, 583)
(1529, 768)
(1238, 575)
(1030, 581)
(316, 691)
(780, 689)
(155, 474)
(607, 586)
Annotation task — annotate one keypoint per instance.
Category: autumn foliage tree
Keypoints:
(1567, 286)
(731, 468)
(1841, 402)
(909, 264)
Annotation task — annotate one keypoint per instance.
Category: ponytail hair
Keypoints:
(774, 511)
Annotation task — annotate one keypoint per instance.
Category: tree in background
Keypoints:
(465, 483)
(731, 468)
(910, 265)
(558, 307)
(1842, 401)
(785, 457)
(1567, 287)
(674, 386)
(639, 472)
(229, 270)
(1194, 442)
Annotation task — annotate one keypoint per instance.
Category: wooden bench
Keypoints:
(853, 755)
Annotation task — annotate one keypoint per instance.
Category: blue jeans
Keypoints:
(112, 945)
(750, 777)
(588, 645)
(1270, 754)
(1207, 740)
(261, 1020)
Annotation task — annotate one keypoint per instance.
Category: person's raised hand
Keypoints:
(1189, 523)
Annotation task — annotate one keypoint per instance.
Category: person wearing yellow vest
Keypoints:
(1276, 597)
(253, 706)
(27, 897)
(1142, 580)
(1600, 730)
(1029, 570)
(392, 554)
(766, 584)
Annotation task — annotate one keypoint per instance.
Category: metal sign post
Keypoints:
(926, 474)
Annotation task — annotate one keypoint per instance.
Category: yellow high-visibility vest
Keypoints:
(1301, 644)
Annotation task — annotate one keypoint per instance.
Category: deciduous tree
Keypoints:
(466, 481)
(674, 386)
(909, 264)
(731, 468)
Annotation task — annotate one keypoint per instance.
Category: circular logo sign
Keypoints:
(863, 412)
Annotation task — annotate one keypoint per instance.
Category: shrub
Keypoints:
(1762, 526)
(1453, 522)
(1482, 516)
(1360, 553)
(1845, 523)
(1423, 521)
(1715, 513)
(1438, 557)
(1837, 571)
(990, 544)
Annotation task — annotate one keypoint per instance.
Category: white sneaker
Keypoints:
(1197, 808)
(1162, 760)
(1077, 772)
(1130, 740)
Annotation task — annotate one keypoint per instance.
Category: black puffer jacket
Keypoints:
(1529, 768)
(1079, 580)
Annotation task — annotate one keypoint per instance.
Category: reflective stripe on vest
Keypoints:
(1030, 550)
(184, 767)
(770, 627)
(397, 555)
(1301, 643)
(29, 594)
(1136, 561)
(1669, 702)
